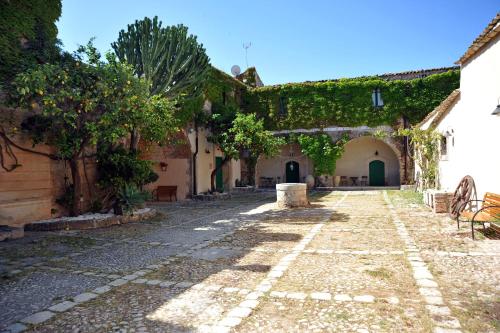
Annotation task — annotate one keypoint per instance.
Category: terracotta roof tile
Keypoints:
(490, 32)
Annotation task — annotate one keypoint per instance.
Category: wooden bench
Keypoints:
(164, 191)
(488, 212)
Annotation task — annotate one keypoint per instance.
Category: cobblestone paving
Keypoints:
(352, 262)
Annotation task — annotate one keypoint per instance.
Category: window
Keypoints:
(283, 111)
(443, 147)
(224, 98)
(377, 98)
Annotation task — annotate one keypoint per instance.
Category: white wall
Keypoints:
(360, 152)
(474, 148)
(205, 162)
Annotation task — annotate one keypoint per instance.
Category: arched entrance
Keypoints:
(292, 172)
(370, 161)
(377, 173)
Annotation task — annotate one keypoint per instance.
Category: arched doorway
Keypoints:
(377, 173)
(292, 172)
(358, 155)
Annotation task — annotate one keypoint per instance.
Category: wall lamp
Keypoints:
(496, 112)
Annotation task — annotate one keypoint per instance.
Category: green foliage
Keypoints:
(249, 134)
(83, 101)
(171, 61)
(348, 102)
(235, 132)
(426, 153)
(28, 35)
(119, 167)
(78, 103)
(129, 197)
(321, 149)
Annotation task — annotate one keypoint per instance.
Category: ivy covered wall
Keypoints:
(348, 102)
(28, 34)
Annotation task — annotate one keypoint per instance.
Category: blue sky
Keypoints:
(295, 41)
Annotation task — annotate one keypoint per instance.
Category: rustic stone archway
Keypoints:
(361, 151)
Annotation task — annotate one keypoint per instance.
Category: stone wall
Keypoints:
(30, 191)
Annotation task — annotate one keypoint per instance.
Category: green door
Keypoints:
(377, 173)
(292, 172)
(219, 183)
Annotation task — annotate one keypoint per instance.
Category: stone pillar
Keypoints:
(290, 195)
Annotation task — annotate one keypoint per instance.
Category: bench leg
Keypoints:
(472, 229)
(458, 222)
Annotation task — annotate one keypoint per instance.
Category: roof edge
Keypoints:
(489, 33)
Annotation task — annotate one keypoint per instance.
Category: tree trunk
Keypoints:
(76, 207)
(134, 140)
(251, 164)
(214, 172)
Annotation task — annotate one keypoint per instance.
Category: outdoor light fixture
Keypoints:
(291, 166)
(496, 112)
(376, 152)
(163, 166)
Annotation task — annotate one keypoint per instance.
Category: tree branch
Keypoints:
(12, 143)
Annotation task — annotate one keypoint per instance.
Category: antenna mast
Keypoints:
(246, 46)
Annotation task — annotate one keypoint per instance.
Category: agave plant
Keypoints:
(128, 198)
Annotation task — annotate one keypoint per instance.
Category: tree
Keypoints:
(246, 133)
(83, 102)
(321, 149)
(172, 62)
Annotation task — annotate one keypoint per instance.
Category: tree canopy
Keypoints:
(83, 102)
(171, 61)
(243, 134)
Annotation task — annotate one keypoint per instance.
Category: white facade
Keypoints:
(473, 133)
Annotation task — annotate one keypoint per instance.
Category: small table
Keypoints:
(354, 181)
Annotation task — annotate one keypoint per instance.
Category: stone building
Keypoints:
(369, 159)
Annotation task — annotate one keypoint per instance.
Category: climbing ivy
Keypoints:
(426, 153)
(348, 102)
(28, 35)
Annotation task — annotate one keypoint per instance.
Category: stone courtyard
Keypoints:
(371, 261)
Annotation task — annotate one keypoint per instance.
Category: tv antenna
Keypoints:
(246, 46)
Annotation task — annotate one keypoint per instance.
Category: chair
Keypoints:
(364, 181)
(343, 181)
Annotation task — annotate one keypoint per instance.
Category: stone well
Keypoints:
(291, 195)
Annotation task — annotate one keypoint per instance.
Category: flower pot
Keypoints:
(336, 181)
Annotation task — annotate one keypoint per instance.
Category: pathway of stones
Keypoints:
(352, 262)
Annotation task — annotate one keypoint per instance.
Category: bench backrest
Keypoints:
(492, 199)
(162, 189)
